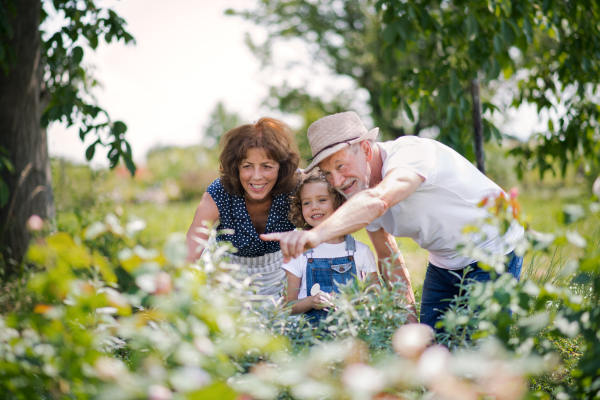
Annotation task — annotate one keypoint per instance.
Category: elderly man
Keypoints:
(410, 187)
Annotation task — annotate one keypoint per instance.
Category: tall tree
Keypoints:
(344, 35)
(220, 121)
(555, 46)
(428, 61)
(41, 81)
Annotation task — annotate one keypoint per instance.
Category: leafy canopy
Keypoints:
(68, 82)
(417, 59)
(553, 45)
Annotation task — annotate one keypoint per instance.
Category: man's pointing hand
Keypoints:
(292, 243)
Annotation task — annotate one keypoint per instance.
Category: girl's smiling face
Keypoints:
(258, 174)
(317, 203)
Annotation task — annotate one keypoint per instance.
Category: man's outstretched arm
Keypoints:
(355, 214)
(386, 248)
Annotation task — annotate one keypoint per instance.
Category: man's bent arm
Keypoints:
(370, 204)
(386, 247)
(355, 214)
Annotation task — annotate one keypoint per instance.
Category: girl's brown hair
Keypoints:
(295, 216)
(269, 134)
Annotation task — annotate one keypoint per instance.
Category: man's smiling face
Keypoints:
(347, 171)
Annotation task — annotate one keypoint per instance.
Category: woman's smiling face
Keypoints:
(258, 174)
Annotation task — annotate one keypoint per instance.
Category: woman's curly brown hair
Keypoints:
(272, 135)
(295, 216)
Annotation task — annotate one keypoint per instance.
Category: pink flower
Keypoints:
(35, 223)
(514, 192)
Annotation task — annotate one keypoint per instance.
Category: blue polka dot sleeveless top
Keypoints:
(234, 215)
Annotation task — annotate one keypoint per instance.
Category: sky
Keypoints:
(188, 56)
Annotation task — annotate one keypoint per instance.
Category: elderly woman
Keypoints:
(258, 166)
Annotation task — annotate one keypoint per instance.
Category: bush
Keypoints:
(115, 320)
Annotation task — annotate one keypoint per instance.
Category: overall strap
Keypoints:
(350, 246)
(308, 254)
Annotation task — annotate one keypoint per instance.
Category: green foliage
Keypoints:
(553, 317)
(554, 46)
(68, 82)
(198, 331)
(345, 36)
(66, 91)
(220, 121)
(4, 164)
(299, 102)
(184, 172)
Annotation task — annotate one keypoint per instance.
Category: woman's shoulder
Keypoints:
(215, 187)
(220, 196)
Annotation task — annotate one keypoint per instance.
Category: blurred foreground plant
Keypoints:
(198, 331)
(533, 317)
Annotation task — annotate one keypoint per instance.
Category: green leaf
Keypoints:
(5, 162)
(130, 165)
(581, 278)
(546, 6)
(528, 30)
(89, 153)
(77, 55)
(408, 111)
(535, 324)
(506, 6)
(450, 111)
(454, 84)
(472, 26)
(401, 29)
(4, 193)
(498, 44)
(93, 41)
(508, 34)
(389, 34)
(494, 70)
(119, 128)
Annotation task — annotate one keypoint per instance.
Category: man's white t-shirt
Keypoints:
(435, 214)
(363, 258)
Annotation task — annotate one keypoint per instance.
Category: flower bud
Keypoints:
(158, 392)
(411, 340)
(35, 223)
(163, 283)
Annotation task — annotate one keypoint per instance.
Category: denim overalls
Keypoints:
(326, 271)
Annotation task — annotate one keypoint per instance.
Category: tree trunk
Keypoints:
(477, 126)
(21, 134)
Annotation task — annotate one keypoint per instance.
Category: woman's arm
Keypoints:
(291, 296)
(207, 211)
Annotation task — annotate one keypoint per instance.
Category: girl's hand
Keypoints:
(322, 300)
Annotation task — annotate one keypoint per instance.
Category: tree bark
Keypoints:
(21, 134)
(477, 126)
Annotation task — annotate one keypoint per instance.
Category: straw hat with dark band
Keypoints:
(331, 134)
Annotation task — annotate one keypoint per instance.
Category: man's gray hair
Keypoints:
(355, 147)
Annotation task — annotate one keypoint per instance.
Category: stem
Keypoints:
(477, 125)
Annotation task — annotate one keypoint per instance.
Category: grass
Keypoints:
(542, 209)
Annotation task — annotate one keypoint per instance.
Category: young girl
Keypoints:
(336, 261)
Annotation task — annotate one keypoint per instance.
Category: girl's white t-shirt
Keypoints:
(363, 258)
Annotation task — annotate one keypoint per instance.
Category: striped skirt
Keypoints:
(265, 270)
